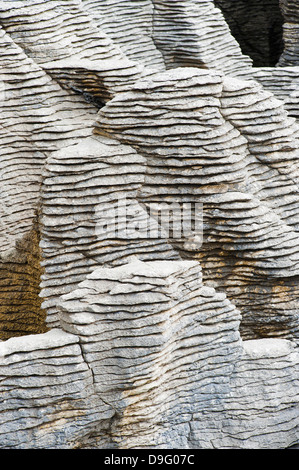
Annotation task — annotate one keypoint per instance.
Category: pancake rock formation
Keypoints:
(149, 228)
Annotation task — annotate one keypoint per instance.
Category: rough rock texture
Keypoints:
(283, 82)
(81, 184)
(66, 44)
(153, 359)
(161, 33)
(248, 217)
(47, 392)
(116, 332)
(37, 117)
(290, 55)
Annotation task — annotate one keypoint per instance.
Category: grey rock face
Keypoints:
(37, 118)
(82, 184)
(46, 379)
(283, 83)
(117, 330)
(160, 363)
(78, 55)
(258, 27)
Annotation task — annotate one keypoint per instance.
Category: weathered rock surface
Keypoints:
(67, 44)
(115, 331)
(283, 82)
(37, 117)
(163, 33)
(82, 184)
(224, 142)
(149, 357)
(47, 392)
(290, 55)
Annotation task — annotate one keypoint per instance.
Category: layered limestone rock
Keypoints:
(150, 357)
(290, 55)
(168, 34)
(89, 193)
(37, 117)
(130, 24)
(67, 44)
(47, 392)
(257, 25)
(170, 359)
(149, 250)
(250, 416)
(231, 146)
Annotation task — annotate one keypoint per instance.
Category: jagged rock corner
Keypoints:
(121, 340)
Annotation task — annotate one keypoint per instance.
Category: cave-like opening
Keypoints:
(21, 313)
(257, 25)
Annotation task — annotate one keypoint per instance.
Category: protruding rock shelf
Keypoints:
(231, 146)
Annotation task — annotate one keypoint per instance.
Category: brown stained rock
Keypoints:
(20, 304)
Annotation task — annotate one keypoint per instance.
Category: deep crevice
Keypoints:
(257, 25)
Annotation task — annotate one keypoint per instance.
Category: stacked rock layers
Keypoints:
(290, 55)
(130, 25)
(172, 369)
(37, 117)
(168, 337)
(255, 414)
(283, 82)
(81, 45)
(66, 43)
(91, 217)
(149, 358)
(231, 146)
(173, 362)
(196, 27)
(146, 353)
(47, 394)
(167, 34)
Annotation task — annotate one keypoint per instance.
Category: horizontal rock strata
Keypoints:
(167, 34)
(67, 44)
(149, 216)
(84, 187)
(47, 394)
(130, 25)
(290, 55)
(37, 117)
(255, 414)
(175, 343)
(283, 82)
(150, 357)
(187, 32)
(231, 145)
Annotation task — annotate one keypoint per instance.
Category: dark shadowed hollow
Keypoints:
(257, 25)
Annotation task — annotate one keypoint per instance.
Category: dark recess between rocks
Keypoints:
(257, 26)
